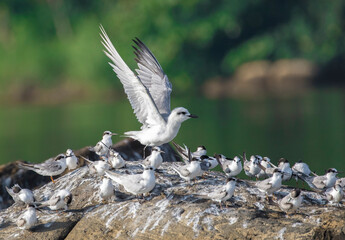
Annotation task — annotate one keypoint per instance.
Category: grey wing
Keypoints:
(184, 171)
(53, 201)
(153, 77)
(21, 222)
(264, 185)
(319, 182)
(52, 166)
(220, 194)
(285, 203)
(138, 94)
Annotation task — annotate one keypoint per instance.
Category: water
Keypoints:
(310, 128)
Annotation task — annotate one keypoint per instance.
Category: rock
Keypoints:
(10, 174)
(173, 212)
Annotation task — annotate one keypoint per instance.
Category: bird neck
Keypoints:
(148, 174)
(173, 126)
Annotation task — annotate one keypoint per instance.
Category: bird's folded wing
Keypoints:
(153, 77)
(265, 184)
(217, 194)
(138, 95)
(319, 182)
(182, 170)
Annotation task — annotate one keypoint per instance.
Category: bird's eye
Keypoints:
(184, 113)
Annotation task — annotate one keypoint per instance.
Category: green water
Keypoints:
(310, 128)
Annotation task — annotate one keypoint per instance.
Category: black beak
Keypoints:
(192, 116)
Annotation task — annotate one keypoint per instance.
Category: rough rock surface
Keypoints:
(10, 174)
(173, 212)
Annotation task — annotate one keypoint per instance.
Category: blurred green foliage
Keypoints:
(47, 42)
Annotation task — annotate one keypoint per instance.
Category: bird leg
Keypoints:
(144, 151)
(52, 179)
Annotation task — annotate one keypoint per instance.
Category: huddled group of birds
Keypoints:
(149, 94)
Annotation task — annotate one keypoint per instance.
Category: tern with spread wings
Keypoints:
(149, 94)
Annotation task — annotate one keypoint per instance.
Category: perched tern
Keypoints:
(190, 170)
(322, 183)
(60, 200)
(341, 181)
(183, 151)
(21, 195)
(71, 160)
(200, 151)
(208, 161)
(149, 94)
(107, 189)
(155, 159)
(97, 167)
(135, 183)
(103, 146)
(251, 167)
(272, 184)
(231, 167)
(28, 219)
(265, 163)
(222, 194)
(115, 159)
(284, 166)
(292, 201)
(50, 168)
(335, 194)
(193, 166)
(301, 168)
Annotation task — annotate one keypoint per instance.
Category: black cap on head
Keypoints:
(229, 179)
(296, 192)
(68, 199)
(282, 160)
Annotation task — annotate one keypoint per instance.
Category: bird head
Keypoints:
(180, 114)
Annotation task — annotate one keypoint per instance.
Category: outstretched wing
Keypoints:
(138, 95)
(153, 77)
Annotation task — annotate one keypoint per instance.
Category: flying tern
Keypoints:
(149, 94)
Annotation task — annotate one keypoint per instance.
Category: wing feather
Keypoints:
(153, 77)
(138, 95)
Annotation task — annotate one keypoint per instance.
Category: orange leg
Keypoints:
(52, 179)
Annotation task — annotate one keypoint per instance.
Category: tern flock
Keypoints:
(149, 94)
